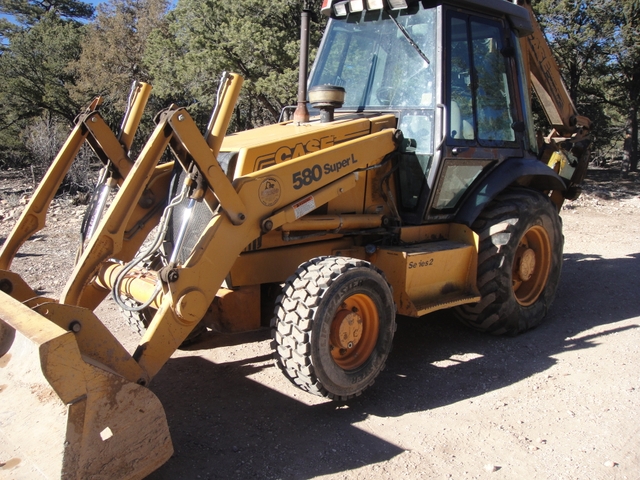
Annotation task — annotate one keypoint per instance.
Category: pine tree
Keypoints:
(39, 40)
(624, 75)
(112, 53)
(596, 44)
(27, 13)
(258, 39)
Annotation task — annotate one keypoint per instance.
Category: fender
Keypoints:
(523, 172)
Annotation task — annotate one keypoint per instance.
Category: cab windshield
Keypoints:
(371, 57)
(387, 65)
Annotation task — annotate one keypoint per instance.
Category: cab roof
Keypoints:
(518, 16)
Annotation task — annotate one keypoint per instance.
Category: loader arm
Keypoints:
(109, 239)
(248, 207)
(199, 279)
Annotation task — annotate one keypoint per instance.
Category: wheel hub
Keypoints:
(354, 331)
(531, 265)
(346, 329)
(527, 264)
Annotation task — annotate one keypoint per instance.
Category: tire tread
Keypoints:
(497, 312)
(292, 323)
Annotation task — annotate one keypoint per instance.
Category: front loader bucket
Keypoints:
(64, 415)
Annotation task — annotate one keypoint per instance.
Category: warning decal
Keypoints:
(304, 206)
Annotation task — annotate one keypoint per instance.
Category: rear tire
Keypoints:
(333, 326)
(519, 263)
(138, 320)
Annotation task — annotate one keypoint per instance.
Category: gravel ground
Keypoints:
(559, 402)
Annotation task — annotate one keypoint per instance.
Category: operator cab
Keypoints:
(463, 109)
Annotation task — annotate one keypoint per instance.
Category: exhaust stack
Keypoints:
(301, 114)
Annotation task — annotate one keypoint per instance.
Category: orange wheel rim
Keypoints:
(531, 265)
(354, 331)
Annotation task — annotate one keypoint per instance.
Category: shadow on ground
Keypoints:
(607, 183)
(225, 425)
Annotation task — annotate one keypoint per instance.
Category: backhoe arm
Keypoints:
(548, 84)
(569, 139)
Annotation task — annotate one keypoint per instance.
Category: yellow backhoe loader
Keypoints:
(416, 182)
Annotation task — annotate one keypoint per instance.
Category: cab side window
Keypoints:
(461, 117)
(480, 107)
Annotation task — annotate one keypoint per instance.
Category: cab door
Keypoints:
(482, 121)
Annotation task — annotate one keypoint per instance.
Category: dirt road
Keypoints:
(559, 402)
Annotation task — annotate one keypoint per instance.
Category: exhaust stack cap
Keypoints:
(326, 98)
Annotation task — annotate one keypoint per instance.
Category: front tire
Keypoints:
(519, 263)
(333, 326)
